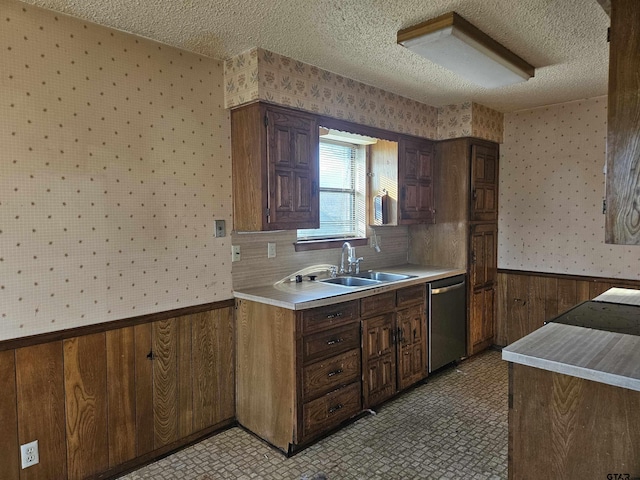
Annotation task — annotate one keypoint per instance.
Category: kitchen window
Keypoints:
(342, 190)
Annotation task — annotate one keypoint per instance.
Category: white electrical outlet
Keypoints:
(271, 250)
(29, 454)
(235, 253)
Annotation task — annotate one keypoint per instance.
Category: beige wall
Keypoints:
(115, 161)
(551, 191)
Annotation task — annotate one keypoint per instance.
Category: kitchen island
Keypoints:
(574, 393)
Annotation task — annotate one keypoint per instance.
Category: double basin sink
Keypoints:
(366, 279)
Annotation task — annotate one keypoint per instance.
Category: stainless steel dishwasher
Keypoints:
(447, 321)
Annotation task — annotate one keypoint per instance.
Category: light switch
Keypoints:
(271, 250)
(219, 228)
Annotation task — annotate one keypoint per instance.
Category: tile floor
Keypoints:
(454, 426)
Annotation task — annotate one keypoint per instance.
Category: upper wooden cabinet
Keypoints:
(484, 182)
(275, 168)
(415, 181)
(623, 139)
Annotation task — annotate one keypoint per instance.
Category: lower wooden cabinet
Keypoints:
(298, 373)
(302, 373)
(394, 345)
(378, 359)
(412, 346)
(481, 313)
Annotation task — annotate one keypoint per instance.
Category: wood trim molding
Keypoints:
(583, 278)
(115, 324)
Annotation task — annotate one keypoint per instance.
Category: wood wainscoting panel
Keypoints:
(121, 395)
(41, 415)
(528, 299)
(109, 401)
(213, 367)
(185, 377)
(165, 382)
(9, 446)
(85, 386)
(144, 388)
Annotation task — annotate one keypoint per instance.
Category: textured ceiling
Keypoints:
(564, 39)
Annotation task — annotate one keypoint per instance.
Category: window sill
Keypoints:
(307, 245)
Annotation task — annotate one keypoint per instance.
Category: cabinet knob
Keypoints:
(334, 341)
(334, 373)
(336, 408)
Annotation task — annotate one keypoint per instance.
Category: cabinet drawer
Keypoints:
(325, 317)
(377, 304)
(326, 375)
(330, 342)
(331, 409)
(413, 295)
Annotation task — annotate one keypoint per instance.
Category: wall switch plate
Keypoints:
(235, 253)
(29, 454)
(219, 228)
(271, 250)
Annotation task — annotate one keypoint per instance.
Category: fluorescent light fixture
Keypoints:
(452, 42)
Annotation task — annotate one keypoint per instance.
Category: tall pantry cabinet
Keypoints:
(466, 228)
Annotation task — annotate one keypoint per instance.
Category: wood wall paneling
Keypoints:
(105, 402)
(536, 304)
(9, 446)
(527, 299)
(185, 377)
(143, 388)
(213, 367)
(85, 374)
(567, 294)
(502, 308)
(41, 408)
(383, 160)
(121, 395)
(165, 390)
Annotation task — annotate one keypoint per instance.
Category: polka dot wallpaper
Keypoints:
(551, 192)
(115, 161)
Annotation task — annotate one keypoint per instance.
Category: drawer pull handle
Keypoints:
(334, 341)
(334, 373)
(334, 315)
(335, 409)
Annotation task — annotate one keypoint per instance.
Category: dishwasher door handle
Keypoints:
(436, 291)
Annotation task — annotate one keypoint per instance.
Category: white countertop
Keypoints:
(626, 296)
(300, 296)
(606, 357)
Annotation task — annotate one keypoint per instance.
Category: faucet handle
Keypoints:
(333, 271)
(357, 264)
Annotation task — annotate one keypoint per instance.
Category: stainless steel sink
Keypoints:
(384, 276)
(351, 281)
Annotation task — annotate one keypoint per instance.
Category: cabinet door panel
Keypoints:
(415, 165)
(378, 359)
(412, 346)
(302, 146)
(292, 158)
(482, 269)
(481, 329)
(281, 147)
(484, 182)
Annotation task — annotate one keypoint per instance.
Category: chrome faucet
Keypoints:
(352, 260)
(348, 247)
